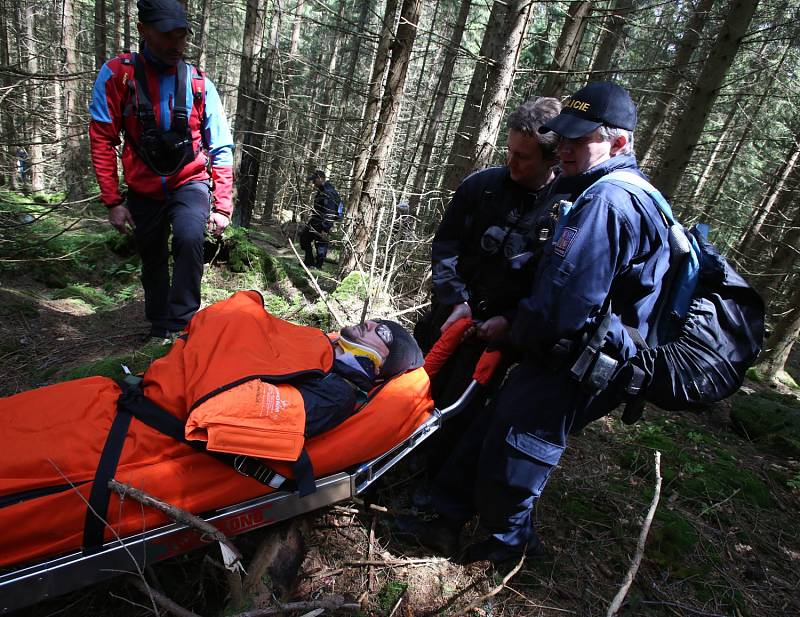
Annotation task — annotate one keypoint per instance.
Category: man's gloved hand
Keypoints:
(494, 330)
(459, 311)
(217, 222)
(120, 218)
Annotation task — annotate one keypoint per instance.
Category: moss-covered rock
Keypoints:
(92, 296)
(770, 419)
(244, 256)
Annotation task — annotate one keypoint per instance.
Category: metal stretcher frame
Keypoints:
(48, 579)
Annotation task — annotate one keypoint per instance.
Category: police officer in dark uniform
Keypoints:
(594, 292)
(326, 210)
(482, 261)
(482, 251)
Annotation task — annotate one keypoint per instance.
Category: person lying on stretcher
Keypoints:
(365, 353)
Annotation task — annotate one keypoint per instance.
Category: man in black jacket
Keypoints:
(326, 210)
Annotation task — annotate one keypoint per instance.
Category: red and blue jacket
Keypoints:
(113, 111)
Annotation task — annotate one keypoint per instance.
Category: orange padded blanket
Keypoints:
(51, 438)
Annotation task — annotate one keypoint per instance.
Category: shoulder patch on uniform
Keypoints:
(565, 241)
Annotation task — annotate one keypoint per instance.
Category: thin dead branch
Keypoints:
(334, 313)
(616, 603)
(477, 603)
(159, 598)
(330, 603)
(177, 514)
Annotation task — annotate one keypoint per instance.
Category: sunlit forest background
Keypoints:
(397, 101)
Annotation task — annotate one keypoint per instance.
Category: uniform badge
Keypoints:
(565, 240)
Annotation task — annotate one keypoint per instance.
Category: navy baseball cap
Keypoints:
(599, 103)
(163, 15)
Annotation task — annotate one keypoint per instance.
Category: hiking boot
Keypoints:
(438, 534)
(497, 552)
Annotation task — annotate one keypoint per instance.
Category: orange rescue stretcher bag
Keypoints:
(173, 436)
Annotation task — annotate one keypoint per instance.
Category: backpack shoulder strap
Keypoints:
(627, 179)
(684, 268)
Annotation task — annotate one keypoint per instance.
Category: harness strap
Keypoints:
(133, 403)
(100, 494)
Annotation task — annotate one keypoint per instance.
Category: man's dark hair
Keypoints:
(317, 173)
(528, 117)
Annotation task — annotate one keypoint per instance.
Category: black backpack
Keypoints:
(706, 358)
(710, 324)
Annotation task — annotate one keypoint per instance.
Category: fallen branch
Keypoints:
(334, 313)
(616, 603)
(160, 599)
(139, 571)
(331, 603)
(393, 562)
(177, 514)
(477, 603)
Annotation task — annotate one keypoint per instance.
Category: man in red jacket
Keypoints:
(175, 129)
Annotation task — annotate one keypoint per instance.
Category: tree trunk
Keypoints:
(773, 359)
(100, 53)
(488, 91)
(253, 139)
(35, 104)
(500, 80)
(126, 26)
(202, 35)
(76, 155)
(270, 199)
(326, 95)
(8, 152)
(784, 258)
(365, 138)
(779, 187)
(251, 49)
(365, 203)
(719, 147)
(612, 34)
(682, 144)
(116, 42)
(435, 116)
(670, 85)
(245, 122)
(752, 114)
(569, 42)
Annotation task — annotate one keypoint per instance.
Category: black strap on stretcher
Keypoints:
(133, 403)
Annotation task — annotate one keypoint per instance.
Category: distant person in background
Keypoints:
(174, 126)
(22, 164)
(326, 210)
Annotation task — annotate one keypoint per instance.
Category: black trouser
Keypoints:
(170, 305)
(314, 233)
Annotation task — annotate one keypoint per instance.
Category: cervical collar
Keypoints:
(358, 349)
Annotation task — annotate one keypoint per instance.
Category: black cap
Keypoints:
(318, 173)
(599, 103)
(404, 353)
(163, 15)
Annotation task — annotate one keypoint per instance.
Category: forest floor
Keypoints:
(725, 539)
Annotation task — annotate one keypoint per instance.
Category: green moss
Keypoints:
(721, 480)
(772, 420)
(389, 595)
(671, 541)
(276, 305)
(354, 285)
(90, 295)
(136, 362)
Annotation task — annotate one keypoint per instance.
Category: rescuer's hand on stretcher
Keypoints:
(459, 311)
